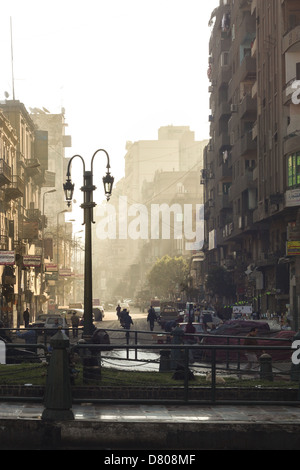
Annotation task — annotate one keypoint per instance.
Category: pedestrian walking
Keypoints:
(250, 354)
(75, 324)
(151, 317)
(127, 321)
(189, 331)
(26, 317)
(118, 309)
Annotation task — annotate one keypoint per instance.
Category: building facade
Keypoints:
(251, 185)
(31, 233)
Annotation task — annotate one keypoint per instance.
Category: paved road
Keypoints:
(139, 323)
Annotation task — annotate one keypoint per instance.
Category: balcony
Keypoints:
(222, 202)
(5, 173)
(255, 130)
(246, 72)
(292, 143)
(34, 214)
(242, 184)
(291, 41)
(248, 107)
(247, 144)
(224, 75)
(15, 189)
(32, 167)
(222, 141)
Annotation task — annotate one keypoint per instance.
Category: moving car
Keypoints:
(98, 313)
(168, 313)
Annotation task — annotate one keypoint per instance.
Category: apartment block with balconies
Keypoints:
(259, 218)
(21, 178)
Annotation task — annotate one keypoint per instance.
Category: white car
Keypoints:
(55, 321)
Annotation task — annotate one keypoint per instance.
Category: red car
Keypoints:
(240, 328)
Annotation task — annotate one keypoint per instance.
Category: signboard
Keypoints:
(242, 309)
(65, 272)
(292, 197)
(7, 257)
(292, 248)
(32, 260)
(51, 276)
(51, 267)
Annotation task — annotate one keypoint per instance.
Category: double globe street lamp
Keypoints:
(88, 205)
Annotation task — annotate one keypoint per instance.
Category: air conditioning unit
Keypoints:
(233, 108)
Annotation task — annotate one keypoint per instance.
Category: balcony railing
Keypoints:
(5, 172)
(15, 189)
(291, 40)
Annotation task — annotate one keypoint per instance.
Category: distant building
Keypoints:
(166, 170)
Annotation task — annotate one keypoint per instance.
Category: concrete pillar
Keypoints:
(266, 372)
(58, 395)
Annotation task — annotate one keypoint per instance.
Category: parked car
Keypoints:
(240, 328)
(55, 321)
(40, 320)
(17, 355)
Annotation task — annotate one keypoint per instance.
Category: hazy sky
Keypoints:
(120, 68)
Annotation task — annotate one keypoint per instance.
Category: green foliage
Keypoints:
(219, 282)
(168, 276)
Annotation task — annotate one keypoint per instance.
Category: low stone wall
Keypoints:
(157, 393)
(76, 434)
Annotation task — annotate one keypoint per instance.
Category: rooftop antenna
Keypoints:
(12, 60)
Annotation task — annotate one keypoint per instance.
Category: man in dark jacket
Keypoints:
(151, 317)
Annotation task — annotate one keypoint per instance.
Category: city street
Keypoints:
(139, 323)
(118, 357)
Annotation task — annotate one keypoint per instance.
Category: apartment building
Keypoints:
(251, 185)
(23, 173)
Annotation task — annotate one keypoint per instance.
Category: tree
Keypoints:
(219, 282)
(168, 276)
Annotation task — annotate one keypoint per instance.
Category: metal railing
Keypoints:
(185, 389)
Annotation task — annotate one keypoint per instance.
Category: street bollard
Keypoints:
(164, 363)
(266, 372)
(58, 395)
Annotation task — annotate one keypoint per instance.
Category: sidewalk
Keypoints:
(220, 427)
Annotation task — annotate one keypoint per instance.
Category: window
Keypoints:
(294, 169)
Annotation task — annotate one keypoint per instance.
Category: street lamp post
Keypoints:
(88, 206)
(57, 250)
(43, 242)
